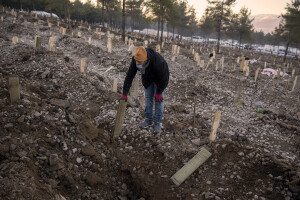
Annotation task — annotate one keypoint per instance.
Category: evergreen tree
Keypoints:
(220, 10)
(134, 10)
(245, 26)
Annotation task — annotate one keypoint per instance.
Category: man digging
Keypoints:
(155, 77)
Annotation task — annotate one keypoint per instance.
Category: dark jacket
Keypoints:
(157, 72)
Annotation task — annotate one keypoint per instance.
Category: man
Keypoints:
(155, 77)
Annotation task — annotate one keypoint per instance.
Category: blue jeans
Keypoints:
(149, 100)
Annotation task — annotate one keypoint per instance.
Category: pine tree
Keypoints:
(134, 10)
(206, 25)
(220, 10)
(289, 27)
(245, 26)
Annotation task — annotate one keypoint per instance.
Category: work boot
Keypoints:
(146, 123)
(157, 127)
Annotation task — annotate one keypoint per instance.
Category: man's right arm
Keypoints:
(129, 77)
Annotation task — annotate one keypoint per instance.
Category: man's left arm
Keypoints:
(162, 73)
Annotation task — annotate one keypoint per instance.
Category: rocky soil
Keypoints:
(56, 143)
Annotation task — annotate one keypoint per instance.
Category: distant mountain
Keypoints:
(265, 22)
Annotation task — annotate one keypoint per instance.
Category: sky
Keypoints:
(256, 6)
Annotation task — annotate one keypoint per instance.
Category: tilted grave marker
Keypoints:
(201, 64)
(210, 62)
(295, 82)
(120, 117)
(215, 126)
(181, 175)
(256, 74)
(134, 88)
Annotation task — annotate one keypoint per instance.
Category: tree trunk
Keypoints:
(147, 27)
(158, 27)
(220, 27)
(162, 29)
(123, 22)
(286, 50)
(67, 13)
(219, 37)
(173, 32)
(102, 14)
(131, 18)
(240, 42)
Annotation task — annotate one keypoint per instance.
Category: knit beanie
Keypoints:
(140, 54)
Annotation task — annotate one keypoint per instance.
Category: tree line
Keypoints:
(175, 17)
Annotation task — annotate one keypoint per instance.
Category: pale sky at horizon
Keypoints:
(256, 6)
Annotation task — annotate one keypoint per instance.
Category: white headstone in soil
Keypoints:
(242, 64)
(115, 85)
(293, 72)
(37, 42)
(15, 40)
(109, 45)
(217, 65)
(52, 43)
(83, 65)
(146, 43)
(201, 64)
(178, 50)
(158, 48)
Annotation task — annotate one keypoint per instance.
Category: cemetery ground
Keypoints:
(57, 141)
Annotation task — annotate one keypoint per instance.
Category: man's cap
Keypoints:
(140, 54)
